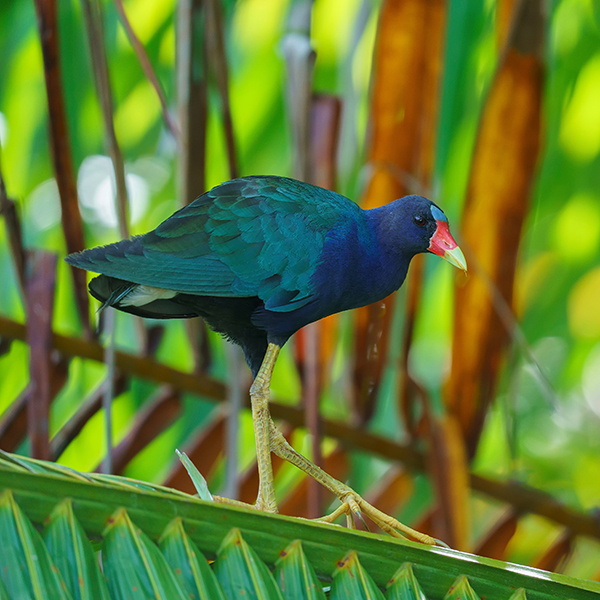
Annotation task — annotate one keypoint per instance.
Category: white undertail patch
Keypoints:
(144, 294)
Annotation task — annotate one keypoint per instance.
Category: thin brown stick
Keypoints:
(40, 305)
(217, 63)
(215, 38)
(191, 100)
(323, 122)
(300, 59)
(146, 65)
(61, 151)
(192, 110)
(92, 13)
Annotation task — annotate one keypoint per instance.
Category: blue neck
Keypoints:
(362, 260)
(387, 262)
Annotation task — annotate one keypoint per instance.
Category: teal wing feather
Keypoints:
(255, 236)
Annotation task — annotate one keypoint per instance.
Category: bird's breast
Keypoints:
(355, 270)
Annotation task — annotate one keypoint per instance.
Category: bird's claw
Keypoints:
(354, 505)
(353, 510)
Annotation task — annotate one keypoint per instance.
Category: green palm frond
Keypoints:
(155, 543)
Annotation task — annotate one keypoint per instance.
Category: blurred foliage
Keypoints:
(548, 440)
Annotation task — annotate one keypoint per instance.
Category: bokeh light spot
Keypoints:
(567, 24)
(576, 234)
(43, 207)
(583, 306)
(580, 126)
(590, 380)
(257, 23)
(97, 190)
(137, 114)
(166, 54)
(3, 130)
(332, 42)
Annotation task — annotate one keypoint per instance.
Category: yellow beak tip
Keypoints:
(456, 258)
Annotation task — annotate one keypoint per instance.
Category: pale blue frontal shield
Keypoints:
(438, 214)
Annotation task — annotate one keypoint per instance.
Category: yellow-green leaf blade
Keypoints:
(3, 592)
(26, 569)
(73, 555)
(404, 585)
(350, 580)
(461, 590)
(296, 576)
(241, 573)
(196, 477)
(133, 565)
(189, 565)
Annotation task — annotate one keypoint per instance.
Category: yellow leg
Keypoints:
(270, 439)
(351, 501)
(259, 396)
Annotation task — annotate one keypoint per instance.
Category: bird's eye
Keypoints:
(419, 220)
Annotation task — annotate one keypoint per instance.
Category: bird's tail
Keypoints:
(109, 291)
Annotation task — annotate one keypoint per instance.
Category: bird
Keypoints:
(258, 258)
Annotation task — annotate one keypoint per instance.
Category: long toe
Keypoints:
(393, 526)
(354, 505)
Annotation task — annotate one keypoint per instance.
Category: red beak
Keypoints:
(443, 244)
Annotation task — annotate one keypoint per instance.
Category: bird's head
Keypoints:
(425, 228)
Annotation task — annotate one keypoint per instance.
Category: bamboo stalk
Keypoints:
(502, 174)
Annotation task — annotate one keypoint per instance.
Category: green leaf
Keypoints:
(519, 595)
(241, 572)
(404, 585)
(189, 564)
(207, 523)
(3, 592)
(73, 555)
(16, 462)
(196, 477)
(26, 568)
(296, 576)
(350, 580)
(133, 565)
(123, 482)
(461, 590)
